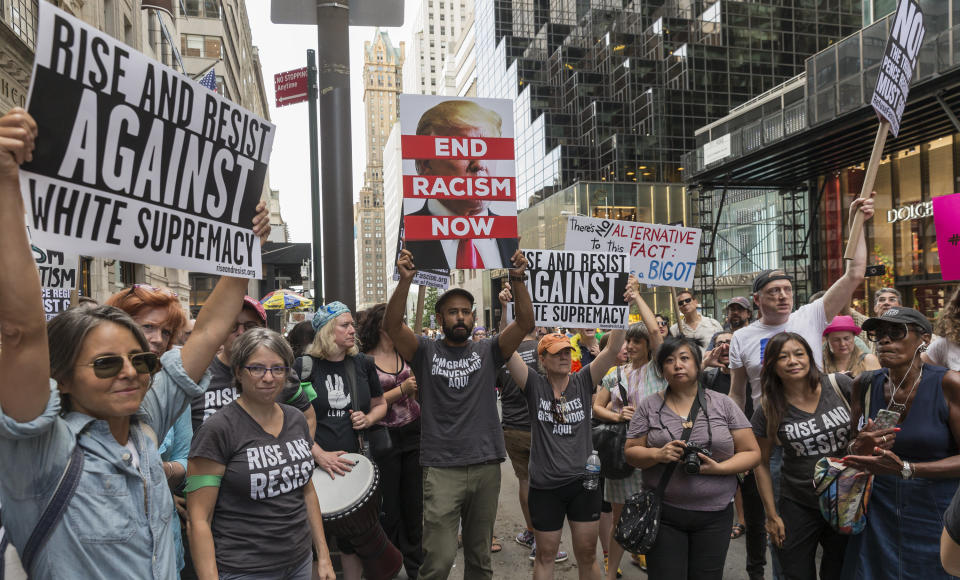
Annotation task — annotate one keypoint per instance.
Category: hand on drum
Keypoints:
(332, 462)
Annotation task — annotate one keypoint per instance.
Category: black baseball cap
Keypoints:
(899, 315)
(453, 292)
(767, 276)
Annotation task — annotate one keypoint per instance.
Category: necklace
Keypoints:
(902, 407)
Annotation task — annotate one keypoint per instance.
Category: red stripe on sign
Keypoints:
(459, 187)
(438, 147)
(426, 227)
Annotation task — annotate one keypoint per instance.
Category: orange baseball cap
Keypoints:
(553, 343)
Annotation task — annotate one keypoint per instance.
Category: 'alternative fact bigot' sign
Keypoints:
(577, 289)
(898, 64)
(660, 255)
(136, 161)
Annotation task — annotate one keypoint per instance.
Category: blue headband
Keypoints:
(327, 313)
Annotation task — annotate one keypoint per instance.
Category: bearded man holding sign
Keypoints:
(461, 438)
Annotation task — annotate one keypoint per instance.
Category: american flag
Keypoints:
(209, 80)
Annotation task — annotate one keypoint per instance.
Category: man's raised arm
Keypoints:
(839, 294)
(403, 338)
(523, 322)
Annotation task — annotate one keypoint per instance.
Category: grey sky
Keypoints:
(282, 48)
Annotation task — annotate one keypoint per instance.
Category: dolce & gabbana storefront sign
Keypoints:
(914, 211)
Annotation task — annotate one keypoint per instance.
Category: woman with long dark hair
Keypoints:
(807, 413)
(944, 351)
(697, 509)
(400, 473)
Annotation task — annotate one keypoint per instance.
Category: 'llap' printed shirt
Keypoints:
(260, 518)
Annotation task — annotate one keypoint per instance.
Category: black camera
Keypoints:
(690, 460)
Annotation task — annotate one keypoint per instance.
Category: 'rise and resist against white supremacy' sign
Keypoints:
(898, 64)
(660, 255)
(136, 161)
(577, 289)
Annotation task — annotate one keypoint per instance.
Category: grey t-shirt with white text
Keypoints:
(459, 424)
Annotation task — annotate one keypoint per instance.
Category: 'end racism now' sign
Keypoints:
(898, 64)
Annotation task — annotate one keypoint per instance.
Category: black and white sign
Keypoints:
(439, 279)
(58, 278)
(136, 161)
(899, 62)
(578, 289)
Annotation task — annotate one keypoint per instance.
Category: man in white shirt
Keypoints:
(773, 295)
(693, 324)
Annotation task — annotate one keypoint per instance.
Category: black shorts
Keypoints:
(548, 507)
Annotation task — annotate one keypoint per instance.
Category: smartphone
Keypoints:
(886, 419)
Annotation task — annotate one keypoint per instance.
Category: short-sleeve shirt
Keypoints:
(702, 334)
(661, 425)
(459, 424)
(223, 390)
(637, 382)
(334, 402)
(513, 402)
(746, 348)
(806, 437)
(260, 518)
(559, 449)
(944, 353)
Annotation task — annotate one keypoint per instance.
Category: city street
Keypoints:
(513, 561)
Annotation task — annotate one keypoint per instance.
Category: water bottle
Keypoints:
(591, 473)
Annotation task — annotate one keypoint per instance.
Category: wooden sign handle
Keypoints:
(418, 321)
(676, 309)
(856, 228)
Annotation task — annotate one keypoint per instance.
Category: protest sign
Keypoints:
(660, 255)
(459, 181)
(577, 289)
(58, 278)
(137, 162)
(946, 222)
(434, 278)
(899, 62)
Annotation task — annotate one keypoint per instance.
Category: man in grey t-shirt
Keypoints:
(461, 442)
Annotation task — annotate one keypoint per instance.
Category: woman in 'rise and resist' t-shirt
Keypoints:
(252, 507)
(805, 413)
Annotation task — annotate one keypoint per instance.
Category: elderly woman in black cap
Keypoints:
(906, 417)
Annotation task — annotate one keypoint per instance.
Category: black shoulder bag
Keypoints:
(609, 440)
(374, 440)
(640, 519)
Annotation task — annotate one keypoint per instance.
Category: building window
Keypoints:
(23, 19)
(201, 46)
(202, 8)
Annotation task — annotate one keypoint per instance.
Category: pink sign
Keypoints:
(946, 220)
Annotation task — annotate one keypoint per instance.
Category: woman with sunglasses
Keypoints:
(697, 511)
(663, 325)
(341, 416)
(637, 379)
(806, 412)
(82, 392)
(559, 406)
(248, 480)
(916, 463)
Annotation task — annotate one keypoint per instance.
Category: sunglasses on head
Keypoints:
(109, 366)
(684, 301)
(894, 332)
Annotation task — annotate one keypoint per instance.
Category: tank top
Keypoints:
(404, 410)
(925, 433)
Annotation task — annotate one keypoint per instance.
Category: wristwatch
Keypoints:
(906, 472)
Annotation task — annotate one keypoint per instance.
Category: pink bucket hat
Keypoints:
(842, 324)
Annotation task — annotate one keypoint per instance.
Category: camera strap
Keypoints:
(694, 411)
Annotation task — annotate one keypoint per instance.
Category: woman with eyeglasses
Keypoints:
(559, 404)
(253, 511)
(697, 511)
(636, 379)
(341, 416)
(806, 412)
(840, 352)
(906, 422)
(86, 392)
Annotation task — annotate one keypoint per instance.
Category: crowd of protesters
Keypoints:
(139, 443)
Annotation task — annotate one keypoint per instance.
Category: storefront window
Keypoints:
(909, 186)
(941, 183)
